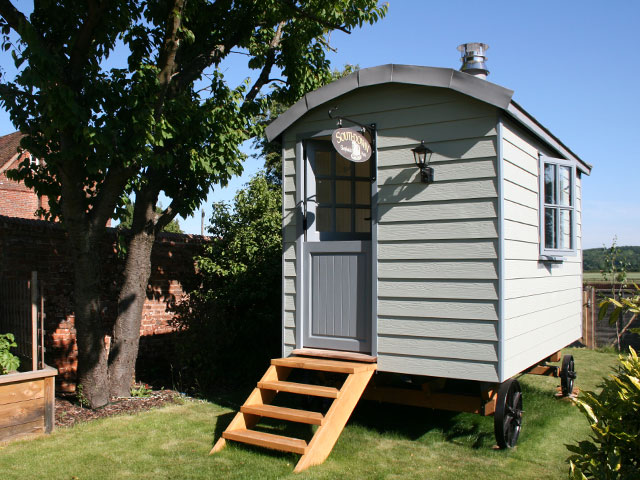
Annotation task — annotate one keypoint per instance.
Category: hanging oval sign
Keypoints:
(351, 144)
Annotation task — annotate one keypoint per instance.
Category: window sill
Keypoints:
(551, 259)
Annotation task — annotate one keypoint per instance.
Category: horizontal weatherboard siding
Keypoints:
(543, 301)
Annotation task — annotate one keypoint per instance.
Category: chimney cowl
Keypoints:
(473, 57)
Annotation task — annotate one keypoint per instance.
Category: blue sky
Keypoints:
(572, 65)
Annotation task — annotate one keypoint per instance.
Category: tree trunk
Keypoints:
(126, 332)
(90, 328)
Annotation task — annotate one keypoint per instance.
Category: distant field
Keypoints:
(597, 277)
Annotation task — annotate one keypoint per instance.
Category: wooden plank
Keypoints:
(535, 269)
(22, 430)
(456, 149)
(49, 404)
(419, 398)
(22, 391)
(33, 284)
(518, 175)
(451, 130)
(460, 210)
(544, 370)
(464, 270)
(511, 136)
(554, 304)
(300, 388)
(472, 229)
(23, 376)
(438, 348)
(22, 412)
(524, 160)
(267, 440)
(335, 355)
(519, 194)
(336, 418)
(439, 367)
(283, 413)
(439, 250)
(460, 290)
(443, 171)
(521, 232)
(438, 192)
(556, 357)
(521, 213)
(439, 328)
(454, 309)
(522, 287)
(323, 365)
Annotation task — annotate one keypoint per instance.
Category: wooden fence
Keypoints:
(599, 333)
(21, 307)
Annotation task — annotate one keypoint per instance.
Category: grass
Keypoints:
(597, 277)
(380, 441)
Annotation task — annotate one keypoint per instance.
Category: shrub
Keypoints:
(613, 450)
(8, 361)
(231, 322)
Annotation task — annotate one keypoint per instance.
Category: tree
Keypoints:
(126, 220)
(166, 121)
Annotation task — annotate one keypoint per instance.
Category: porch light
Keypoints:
(422, 156)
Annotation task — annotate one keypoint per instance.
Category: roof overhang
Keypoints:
(464, 83)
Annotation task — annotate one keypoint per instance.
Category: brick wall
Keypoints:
(16, 200)
(27, 245)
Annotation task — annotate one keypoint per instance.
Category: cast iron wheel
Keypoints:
(567, 375)
(507, 419)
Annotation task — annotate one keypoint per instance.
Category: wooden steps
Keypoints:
(268, 440)
(300, 388)
(283, 413)
(330, 425)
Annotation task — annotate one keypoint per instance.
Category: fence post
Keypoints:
(34, 320)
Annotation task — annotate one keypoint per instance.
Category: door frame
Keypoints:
(301, 270)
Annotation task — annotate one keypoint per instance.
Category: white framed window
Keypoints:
(557, 207)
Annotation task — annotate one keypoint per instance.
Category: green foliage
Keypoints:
(81, 396)
(232, 320)
(8, 361)
(594, 259)
(621, 306)
(141, 390)
(613, 450)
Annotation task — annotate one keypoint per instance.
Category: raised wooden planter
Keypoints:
(27, 405)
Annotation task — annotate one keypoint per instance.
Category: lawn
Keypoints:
(380, 441)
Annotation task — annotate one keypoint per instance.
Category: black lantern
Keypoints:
(422, 156)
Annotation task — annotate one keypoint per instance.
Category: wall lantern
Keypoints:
(422, 156)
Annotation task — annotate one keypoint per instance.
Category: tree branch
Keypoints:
(16, 20)
(268, 64)
(85, 37)
(310, 16)
(107, 197)
(167, 57)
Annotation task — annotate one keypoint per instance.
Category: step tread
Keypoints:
(300, 388)
(323, 365)
(335, 355)
(267, 440)
(284, 413)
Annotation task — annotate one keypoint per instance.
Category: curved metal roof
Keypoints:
(477, 88)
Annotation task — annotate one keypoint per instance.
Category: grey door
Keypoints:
(337, 251)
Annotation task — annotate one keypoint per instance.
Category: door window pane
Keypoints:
(550, 228)
(323, 163)
(324, 219)
(549, 183)
(323, 191)
(363, 169)
(343, 167)
(564, 178)
(363, 193)
(343, 191)
(565, 229)
(363, 221)
(343, 220)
